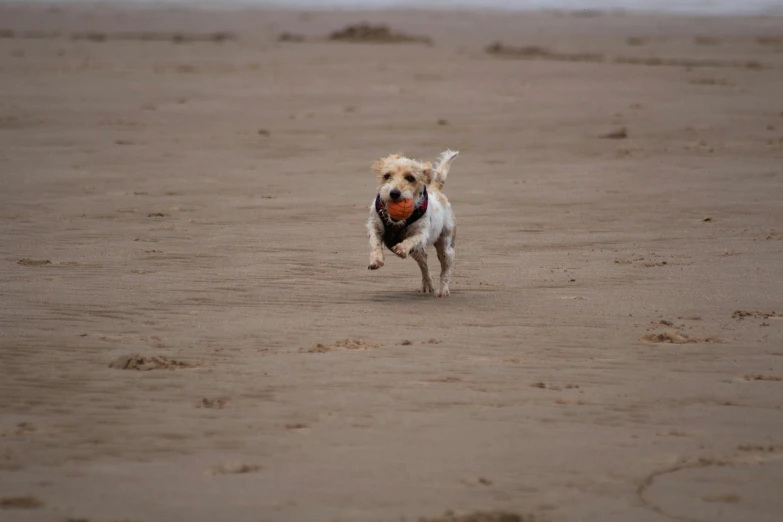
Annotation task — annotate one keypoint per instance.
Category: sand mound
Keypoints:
(374, 33)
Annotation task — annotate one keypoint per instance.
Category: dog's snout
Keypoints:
(395, 194)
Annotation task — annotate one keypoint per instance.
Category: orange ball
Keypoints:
(401, 209)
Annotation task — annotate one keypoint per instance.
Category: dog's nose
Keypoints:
(395, 194)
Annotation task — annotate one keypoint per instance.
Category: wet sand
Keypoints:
(189, 330)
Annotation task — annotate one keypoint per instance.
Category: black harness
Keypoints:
(393, 230)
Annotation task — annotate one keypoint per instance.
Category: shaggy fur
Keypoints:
(436, 227)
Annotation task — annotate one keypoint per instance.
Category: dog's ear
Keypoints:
(426, 172)
(378, 166)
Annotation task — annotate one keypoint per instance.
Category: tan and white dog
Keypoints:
(432, 221)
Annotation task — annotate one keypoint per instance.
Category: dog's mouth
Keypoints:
(397, 201)
(400, 210)
(393, 194)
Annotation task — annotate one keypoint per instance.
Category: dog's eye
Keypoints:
(386, 176)
(409, 178)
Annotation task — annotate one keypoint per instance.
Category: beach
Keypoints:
(189, 330)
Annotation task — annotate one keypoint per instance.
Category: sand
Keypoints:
(189, 330)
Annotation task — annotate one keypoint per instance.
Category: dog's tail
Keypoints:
(442, 169)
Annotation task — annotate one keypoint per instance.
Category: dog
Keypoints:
(432, 221)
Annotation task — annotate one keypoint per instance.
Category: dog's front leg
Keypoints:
(418, 240)
(376, 246)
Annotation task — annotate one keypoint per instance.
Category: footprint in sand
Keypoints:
(762, 377)
(235, 468)
(736, 487)
(22, 502)
(618, 134)
(33, 262)
(23, 428)
(296, 426)
(755, 314)
(346, 344)
(674, 337)
(217, 403)
(487, 516)
(155, 362)
(81, 519)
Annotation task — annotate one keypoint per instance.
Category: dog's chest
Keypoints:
(394, 234)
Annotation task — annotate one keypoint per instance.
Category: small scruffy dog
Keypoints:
(432, 221)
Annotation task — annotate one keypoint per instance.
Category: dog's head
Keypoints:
(401, 178)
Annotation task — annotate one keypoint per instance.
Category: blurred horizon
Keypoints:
(663, 6)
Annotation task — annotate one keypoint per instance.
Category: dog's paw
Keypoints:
(427, 289)
(375, 264)
(400, 250)
(444, 292)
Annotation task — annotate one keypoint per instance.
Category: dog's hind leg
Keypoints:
(445, 248)
(420, 255)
